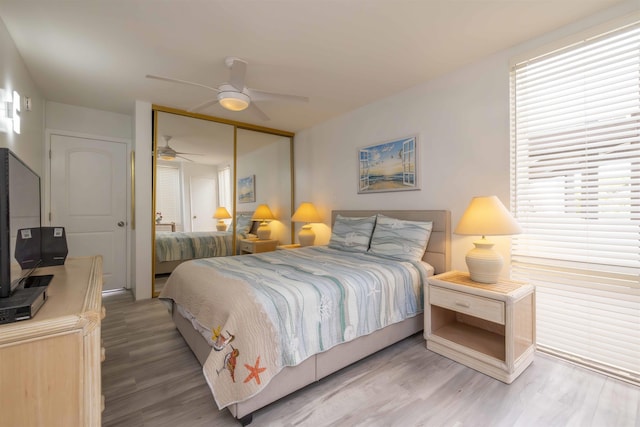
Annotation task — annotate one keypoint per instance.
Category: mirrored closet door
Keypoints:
(211, 177)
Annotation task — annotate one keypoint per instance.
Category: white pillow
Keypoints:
(243, 225)
(352, 234)
(400, 239)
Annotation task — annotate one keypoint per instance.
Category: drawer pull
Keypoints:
(463, 304)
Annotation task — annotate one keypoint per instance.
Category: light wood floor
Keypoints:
(151, 378)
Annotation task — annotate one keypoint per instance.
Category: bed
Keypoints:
(280, 353)
(173, 248)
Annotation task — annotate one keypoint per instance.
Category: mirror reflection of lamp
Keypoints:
(263, 214)
(486, 216)
(306, 213)
(221, 214)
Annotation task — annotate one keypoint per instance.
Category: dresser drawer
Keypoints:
(483, 308)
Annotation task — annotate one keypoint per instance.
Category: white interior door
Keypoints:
(88, 197)
(203, 204)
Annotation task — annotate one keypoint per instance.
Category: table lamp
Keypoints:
(486, 216)
(221, 214)
(263, 214)
(306, 213)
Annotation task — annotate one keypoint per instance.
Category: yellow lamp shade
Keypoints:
(221, 213)
(262, 213)
(306, 212)
(487, 216)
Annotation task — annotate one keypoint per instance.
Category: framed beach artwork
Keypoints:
(247, 189)
(388, 166)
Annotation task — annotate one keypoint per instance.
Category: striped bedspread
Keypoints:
(175, 246)
(263, 312)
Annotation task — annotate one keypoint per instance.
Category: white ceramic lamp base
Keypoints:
(306, 236)
(484, 263)
(264, 232)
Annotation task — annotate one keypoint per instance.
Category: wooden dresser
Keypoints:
(50, 365)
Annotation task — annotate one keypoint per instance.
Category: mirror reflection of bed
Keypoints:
(194, 170)
(199, 161)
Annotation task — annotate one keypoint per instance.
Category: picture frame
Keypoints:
(247, 189)
(388, 166)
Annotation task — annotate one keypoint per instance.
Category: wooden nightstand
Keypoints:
(291, 246)
(166, 227)
(255, 246)
(490, 328)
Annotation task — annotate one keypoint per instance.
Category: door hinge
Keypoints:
(49, 216)
(49, 154)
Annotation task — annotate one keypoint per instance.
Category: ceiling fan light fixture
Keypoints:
(233, 101)
(167, 156)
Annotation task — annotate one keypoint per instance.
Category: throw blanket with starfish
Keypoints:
(263, 312)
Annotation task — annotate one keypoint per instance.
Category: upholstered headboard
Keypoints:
(438, 252)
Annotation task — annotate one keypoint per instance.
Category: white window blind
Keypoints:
(576, 193)
(224, 187)
(168, 195)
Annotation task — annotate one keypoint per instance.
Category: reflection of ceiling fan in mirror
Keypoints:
(234, 95)
(165, 152)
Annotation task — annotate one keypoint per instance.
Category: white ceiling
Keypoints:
(342, 54)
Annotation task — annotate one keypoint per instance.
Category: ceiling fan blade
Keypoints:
(261, 95)
(182, 157)
(238, 72)
(203, 105)
(172, 80)
(189, 154)
(258, 112)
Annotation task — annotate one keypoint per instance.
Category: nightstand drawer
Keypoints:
(483, 308)
(246, 246)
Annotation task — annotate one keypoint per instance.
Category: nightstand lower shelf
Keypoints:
(485, 342)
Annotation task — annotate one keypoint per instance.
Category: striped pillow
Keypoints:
(352, 234)
(400, 239)
(243, 225)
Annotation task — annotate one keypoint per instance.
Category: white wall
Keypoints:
(143, 214)
(462, 123)
(88, 121)
(14, 76)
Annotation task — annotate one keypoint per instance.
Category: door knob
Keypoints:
(120, 223)
(194, 217)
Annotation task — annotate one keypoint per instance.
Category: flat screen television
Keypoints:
(19, 208)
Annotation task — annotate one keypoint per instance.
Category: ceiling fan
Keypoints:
(165, 152)
(234, 95)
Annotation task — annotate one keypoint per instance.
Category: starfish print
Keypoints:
(325, 307)
(216, 333)
(373, 291)
(255, 371)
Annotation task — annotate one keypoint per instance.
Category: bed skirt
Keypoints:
(312, 369)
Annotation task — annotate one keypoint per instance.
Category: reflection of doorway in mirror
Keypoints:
(203, 205)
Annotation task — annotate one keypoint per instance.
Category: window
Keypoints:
(576, 193)
(168, 195)
(224, 188)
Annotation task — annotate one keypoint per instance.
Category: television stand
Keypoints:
(37, 281)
